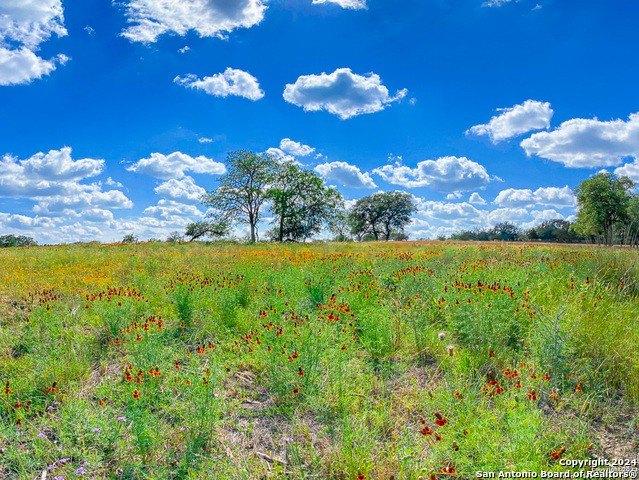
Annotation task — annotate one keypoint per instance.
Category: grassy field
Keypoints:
(354, 361)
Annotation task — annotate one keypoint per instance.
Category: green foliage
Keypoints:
(604, 202)
(16, 241)
(302, 203)
(243, 189)
(381, 215)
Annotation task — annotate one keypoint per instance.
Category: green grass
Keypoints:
(157, 361)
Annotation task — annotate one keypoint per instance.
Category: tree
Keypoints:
(243, 189)
(632, 228)
(301, 202)
(16, 241)
(505, 232)
(198, 230)
(557, 230)
(604, 202)
(339, 224)
(381, 215)
(174, 237)
(130, 238)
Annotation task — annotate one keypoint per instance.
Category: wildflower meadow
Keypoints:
(401, 360)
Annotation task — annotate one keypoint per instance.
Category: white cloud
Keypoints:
(31, 22)
(232, 82)
(22, 66)
(294, 148)
(209, 18)
(24, 25)
(630, 170)
(44, 174)
(205, 140)
(345, 175)
(113, 183)
(351, 4)
(587, 143)
(446, 173)
(342, 93)
(280, 156)
(552, 196)
(454, 195)
(495, 3)
(166, 209)
(175, 165)
(59, 165)
(476, 199)
(185, 188)
(94, 198)
(519, 119)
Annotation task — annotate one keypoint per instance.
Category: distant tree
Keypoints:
(338, 224)
(130, 238)
(16, 241)
(174, 237)
(604, 202)
(197, 230)
(557, 230)
(505, 232)
(381, 215)
(243, 189)
(301, 202)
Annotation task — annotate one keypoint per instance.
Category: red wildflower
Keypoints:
(136, 394)
(556, 454)
(449, 470)
(426, 430)
(440, 420)
(532, 395)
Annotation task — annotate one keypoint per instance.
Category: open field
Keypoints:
(353, 361)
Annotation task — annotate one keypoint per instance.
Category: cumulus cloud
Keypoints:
(92, 198)
(31, 22)
(175, 165)
(280, 156)
(184, 188)
(552, 196)
(630, 170)
(476, 199)
(51, 173)
(342, 93)
(150, 19)
(232, 82)
(24, 25)
(294, 148)
(587, 143)
(166, 209)
(517, 120)
(446, 173)
(351, 4)
(22, 66)
(345, 175)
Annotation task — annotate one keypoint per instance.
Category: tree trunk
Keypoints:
(280, 236)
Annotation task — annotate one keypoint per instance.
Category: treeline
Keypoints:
(558, 230)
(608, 213)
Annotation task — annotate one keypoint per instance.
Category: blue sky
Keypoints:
(109, 125)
